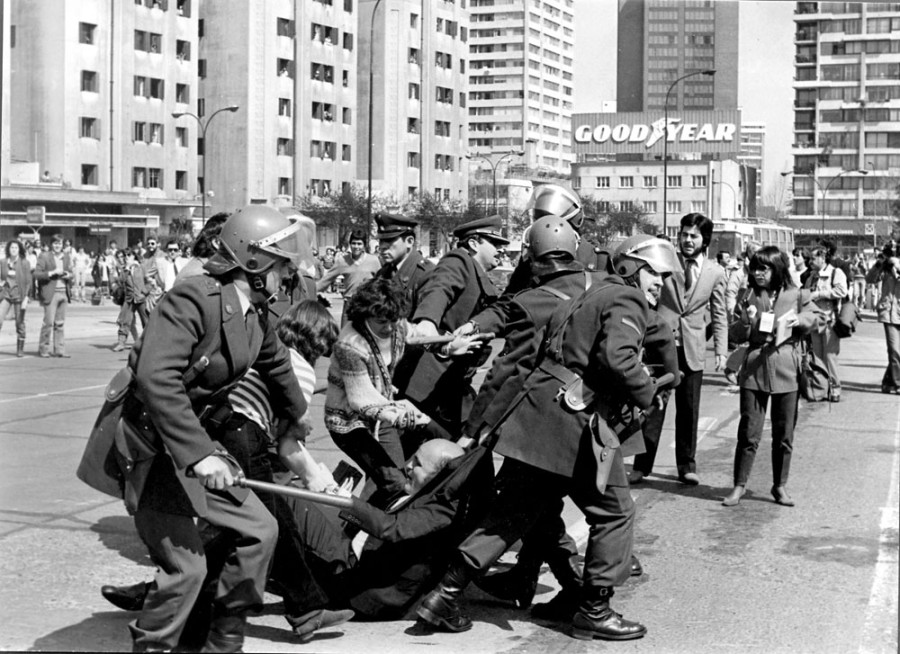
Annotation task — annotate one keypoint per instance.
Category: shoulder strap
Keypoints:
(553, 342)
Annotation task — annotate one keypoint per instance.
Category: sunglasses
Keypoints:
(172, 250)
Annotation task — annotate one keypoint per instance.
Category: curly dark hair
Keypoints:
(308, 328)
(773, 258)
(381, 298)
(204, 246)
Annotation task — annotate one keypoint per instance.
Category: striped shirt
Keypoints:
(250, 397)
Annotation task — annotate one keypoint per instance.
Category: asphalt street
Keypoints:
(759, 578)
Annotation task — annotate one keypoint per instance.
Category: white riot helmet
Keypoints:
(551, 199)
(635, 252)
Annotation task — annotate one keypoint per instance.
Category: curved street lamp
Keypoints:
(709, 73)
(828, 186)
(203, 126)
(494, 166)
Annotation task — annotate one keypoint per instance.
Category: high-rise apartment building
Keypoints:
(418, 56)
(521, 82)
(661, 40)
(93, 148)
(846, 119)
(753, 150)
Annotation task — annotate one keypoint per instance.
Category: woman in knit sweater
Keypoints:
(361, 414)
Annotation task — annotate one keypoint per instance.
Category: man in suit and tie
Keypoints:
(683, 304)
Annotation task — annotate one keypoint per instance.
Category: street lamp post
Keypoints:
(733, 196)
(828, 186)
(709, 73)
(494, 166)
(203, 126)
(371, 105)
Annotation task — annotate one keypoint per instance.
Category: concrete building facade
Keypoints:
(419, 55)
(660, 41)
(521, 82)
(846, 120)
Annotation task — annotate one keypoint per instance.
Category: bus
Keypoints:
(732, 236)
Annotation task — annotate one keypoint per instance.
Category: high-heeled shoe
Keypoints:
(781, 496)
(734, 497)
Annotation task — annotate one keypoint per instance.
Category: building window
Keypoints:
(346, 116)
(201, 68)
(345, 153)
(444, 95)
(157, 88)
(414, 21)
(321, 73)
(650, 206)
(86, 33)
(626, 181)
(413, 55)
(139, 132)
(90, 128)
(89, 81)
(413, 91)
(673, 181)
(156, 133)
(411, 191)
(284, 186)
(181, 137)
(285, 148)
(139, 177)
(348, 41)
(155, 178)
(650, 181)
(345, 78)
(673, 206)
(348, 6)
(183, 50)
(412, 159)
(284, 107)
(698, 181)
(183, 93)
(184, 8)
(285, 68)
(180, 180)
(603, 182)
(284, 27)
(698, 206)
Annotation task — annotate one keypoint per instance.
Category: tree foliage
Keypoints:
(440, 217)
(344, 211)
(604, 226)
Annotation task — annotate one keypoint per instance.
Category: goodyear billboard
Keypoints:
(645, 132)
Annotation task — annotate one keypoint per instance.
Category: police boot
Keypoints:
(440, 608)
(596, 619)
(565, 567)
(517, 585)
(20, 347)
(127, 598)
(226, 633)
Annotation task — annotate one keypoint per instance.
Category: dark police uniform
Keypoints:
(456, 289)
(161, 436)
(554, 456)
(413, 270)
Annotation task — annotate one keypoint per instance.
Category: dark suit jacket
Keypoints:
(411, 275)
(46, 264)
(161, 428)
(409, 548)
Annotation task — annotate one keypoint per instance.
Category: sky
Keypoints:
(765, 69)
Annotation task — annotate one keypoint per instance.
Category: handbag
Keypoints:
(846, 319)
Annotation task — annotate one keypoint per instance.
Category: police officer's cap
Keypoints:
(392, 225)
(489, 227)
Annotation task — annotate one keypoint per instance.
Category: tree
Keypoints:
(602, 226)
(440, 217)
(344, 211)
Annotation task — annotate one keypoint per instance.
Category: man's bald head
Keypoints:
(431, 457)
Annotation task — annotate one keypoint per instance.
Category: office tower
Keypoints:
(661, 40)
(521, 82)
(753, 150)
(290, 67)
(846, 119)
(419, 56)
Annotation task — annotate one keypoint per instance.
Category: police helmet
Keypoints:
(551, 199)
(550, 234)
(641, 250)
(254, 239)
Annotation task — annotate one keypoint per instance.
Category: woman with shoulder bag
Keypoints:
(15, 285)
(828, 289)
(773, 318)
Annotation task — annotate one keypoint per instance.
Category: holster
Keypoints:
(604, 443)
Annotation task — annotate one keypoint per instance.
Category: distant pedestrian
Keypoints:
(356, 268)
(82, 263)
(829, 287)
(15, 287)
(887, 272)
(54, 272)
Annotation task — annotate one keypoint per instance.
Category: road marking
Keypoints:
(705, 425)
(39, 395)
(879, 632)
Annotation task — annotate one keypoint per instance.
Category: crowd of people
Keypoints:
(214, 399)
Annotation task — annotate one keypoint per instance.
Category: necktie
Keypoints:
(689, 274)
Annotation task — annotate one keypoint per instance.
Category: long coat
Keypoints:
(410, 274)
(686, 312)
(769, 367)
(602, 344)
(195, 347)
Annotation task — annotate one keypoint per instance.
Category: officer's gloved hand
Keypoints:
(213, 472)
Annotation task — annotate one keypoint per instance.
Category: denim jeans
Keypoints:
(54, 324)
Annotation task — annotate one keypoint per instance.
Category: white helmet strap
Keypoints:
(268, 243)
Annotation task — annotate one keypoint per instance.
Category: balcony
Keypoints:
(807, 8)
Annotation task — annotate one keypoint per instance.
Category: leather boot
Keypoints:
(595, 618)
(127, 598)
(517, 585)
(226, 633)
(565, 567)
(20, 347)
(440, 608)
